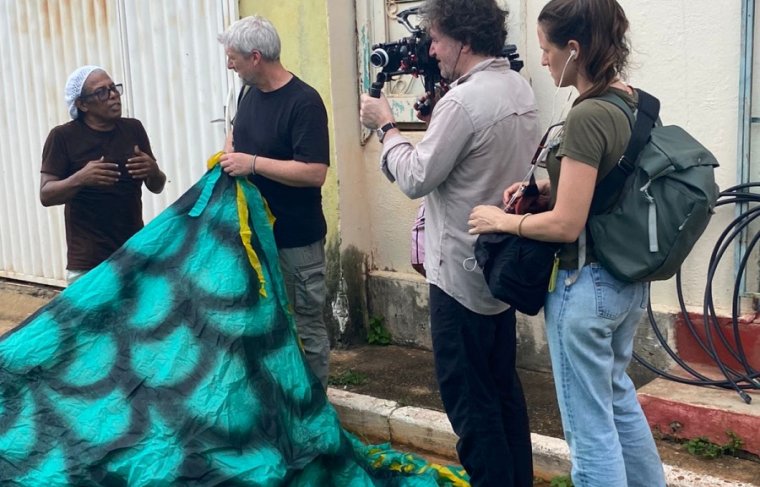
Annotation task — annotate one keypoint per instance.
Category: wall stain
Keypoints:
(345, 308)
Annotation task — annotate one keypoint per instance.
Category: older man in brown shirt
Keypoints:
(96, 165)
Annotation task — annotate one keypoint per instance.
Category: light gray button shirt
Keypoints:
(480, 139)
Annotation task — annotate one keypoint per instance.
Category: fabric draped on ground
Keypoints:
(176, 362)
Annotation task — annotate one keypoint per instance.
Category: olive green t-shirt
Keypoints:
(596, 133)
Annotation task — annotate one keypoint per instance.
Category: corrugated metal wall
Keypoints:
(175, 80)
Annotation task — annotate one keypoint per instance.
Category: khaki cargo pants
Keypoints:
(303, 270)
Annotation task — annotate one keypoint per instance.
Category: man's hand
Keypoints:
(424, 105)
(142, 166)
(237, 163)
(98, 173)
(375, 112)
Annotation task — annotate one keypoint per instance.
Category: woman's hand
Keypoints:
(509, 193)
(544, 188)
(487, 219)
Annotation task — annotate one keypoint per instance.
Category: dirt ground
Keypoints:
(406, 375)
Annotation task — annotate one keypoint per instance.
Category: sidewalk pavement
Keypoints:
(424, 430)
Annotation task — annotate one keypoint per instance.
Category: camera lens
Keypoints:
(379, 58)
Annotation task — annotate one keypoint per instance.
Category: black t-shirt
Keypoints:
(287, 124)
(98, 219)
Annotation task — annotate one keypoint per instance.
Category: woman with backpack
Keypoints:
(591, 317)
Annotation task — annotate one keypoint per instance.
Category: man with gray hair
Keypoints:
(95, 165)
(280, 142)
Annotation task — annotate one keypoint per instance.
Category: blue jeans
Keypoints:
(303, 270)
(590, 326)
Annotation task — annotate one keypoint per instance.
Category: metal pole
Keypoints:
(745, 119)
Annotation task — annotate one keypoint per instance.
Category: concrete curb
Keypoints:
(430, 431)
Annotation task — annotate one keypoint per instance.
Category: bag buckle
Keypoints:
(626, 165)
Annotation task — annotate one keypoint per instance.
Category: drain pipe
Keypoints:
(745, 121)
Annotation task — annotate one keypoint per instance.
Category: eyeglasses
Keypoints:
(102, 94)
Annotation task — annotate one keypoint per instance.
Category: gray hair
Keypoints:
(254, 33)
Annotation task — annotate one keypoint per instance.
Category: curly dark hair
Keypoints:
(480, 23)
(600, 27)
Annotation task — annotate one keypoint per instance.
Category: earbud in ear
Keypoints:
(573, 53)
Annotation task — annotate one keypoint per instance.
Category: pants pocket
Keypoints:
(309, 289)
(614, 298)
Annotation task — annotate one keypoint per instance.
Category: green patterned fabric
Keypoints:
(175, 362)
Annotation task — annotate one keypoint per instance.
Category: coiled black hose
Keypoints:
(747, 377)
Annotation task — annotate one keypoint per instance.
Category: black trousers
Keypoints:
(481, 392)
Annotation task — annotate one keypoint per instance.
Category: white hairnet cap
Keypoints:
(74, 86)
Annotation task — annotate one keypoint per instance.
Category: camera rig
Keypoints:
(411, 55)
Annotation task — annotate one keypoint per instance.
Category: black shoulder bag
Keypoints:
(518, 270)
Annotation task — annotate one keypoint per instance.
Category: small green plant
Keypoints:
(702, 447)
(734, 443)
(378, 334)
(348, 378)
(561, 481)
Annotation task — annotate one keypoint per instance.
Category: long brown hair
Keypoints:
(600, 27)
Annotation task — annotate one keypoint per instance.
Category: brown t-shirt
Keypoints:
(596, 133)
(98, 219)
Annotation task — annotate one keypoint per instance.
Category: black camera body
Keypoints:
(411, 55)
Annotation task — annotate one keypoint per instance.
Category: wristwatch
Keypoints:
(384, 130)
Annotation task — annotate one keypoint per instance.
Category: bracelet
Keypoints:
(519, 225)
(253, 165)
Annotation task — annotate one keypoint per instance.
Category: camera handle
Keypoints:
(377, 86)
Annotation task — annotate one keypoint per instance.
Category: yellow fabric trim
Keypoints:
(446, 473)
(409, 468)
(245, 236)
(214, 160)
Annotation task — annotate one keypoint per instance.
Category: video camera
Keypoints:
(410, 55)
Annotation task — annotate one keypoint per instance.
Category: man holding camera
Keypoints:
(280, 141)
(480, 137)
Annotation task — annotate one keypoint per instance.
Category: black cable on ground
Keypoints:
(748, 378)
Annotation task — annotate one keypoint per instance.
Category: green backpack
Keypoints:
(645, 231)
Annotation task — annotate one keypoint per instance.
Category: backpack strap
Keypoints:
(642, 123)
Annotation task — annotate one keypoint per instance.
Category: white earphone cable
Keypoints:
(552, 121)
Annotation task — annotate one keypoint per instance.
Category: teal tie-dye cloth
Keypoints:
(175, 362)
